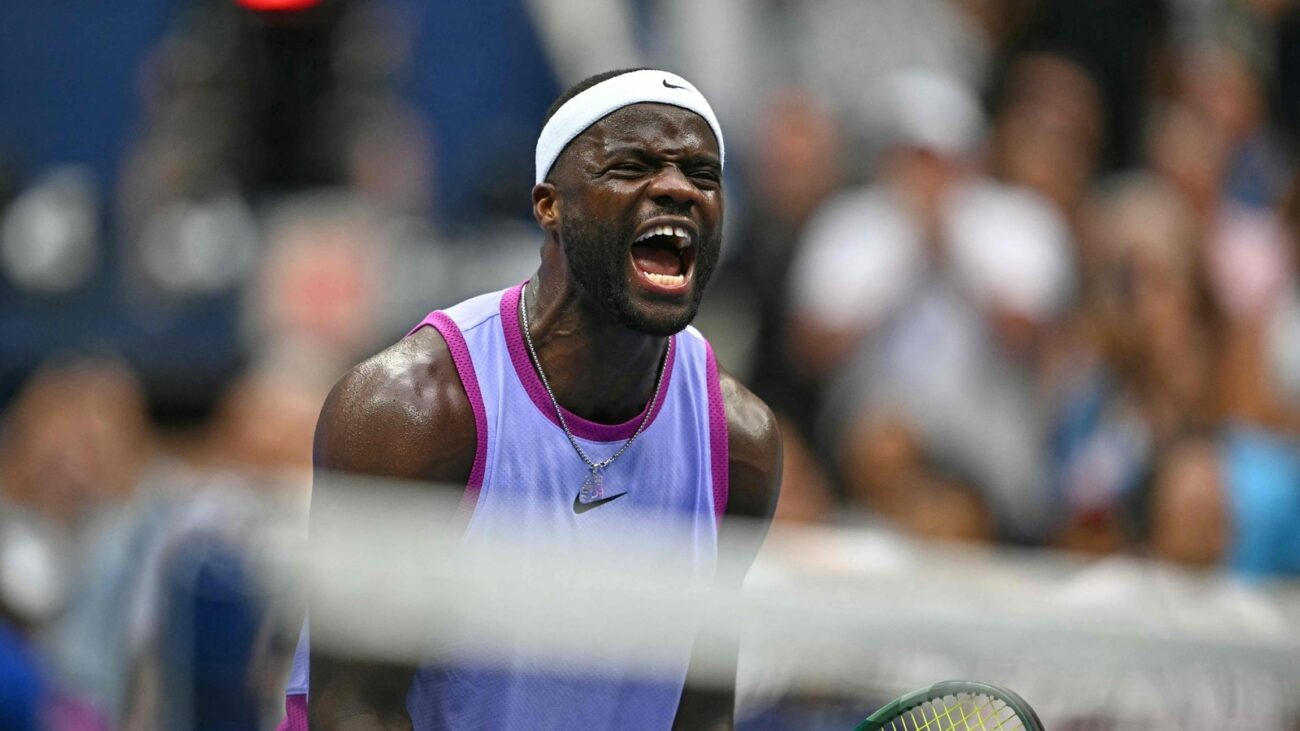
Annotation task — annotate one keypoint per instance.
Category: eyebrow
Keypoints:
(699, 158)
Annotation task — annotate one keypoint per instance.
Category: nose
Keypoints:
(670, 186)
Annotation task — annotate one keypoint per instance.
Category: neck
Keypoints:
(598, 368)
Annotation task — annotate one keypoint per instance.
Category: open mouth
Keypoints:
(664, 254)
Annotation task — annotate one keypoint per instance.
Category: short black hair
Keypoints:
(582, 86)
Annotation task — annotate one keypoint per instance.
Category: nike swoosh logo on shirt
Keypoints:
(580, 507)
(672, 86)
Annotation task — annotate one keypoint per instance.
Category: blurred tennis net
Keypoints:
(844, 617)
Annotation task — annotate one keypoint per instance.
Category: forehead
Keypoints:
(654, 127)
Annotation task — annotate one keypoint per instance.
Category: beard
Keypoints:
(597, 256)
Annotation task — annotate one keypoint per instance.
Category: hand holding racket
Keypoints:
(955, 705)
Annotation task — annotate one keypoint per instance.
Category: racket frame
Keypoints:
(904, 703)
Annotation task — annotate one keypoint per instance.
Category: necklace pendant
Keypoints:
(593, 488)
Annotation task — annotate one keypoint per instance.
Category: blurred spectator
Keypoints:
(76, 444)
(1123, 44)
(955, 385)
(1189, 514)
(1177, 326)
(865, 249)
(1229, 502)
(931, 211)
(947, 507)
(1142, 373)
(889, 473)
(1184, 149)
(320, 282)
(206, 653)
(845, 49)
(879, 464)
(926, 297)
(266, 421)
(1049, 129)
(1221, 87)
(1250, 255)
(1238, 194)
(1212, 138)
(1217, 144)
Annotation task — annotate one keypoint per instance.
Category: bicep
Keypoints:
(347, 693)
(754, 469)
(754, 477)
(402, 416)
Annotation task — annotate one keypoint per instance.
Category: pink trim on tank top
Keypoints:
(580, 427)
(295, 713)
(719, 449)
(460, 357)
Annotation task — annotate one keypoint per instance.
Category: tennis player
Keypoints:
(578, 400)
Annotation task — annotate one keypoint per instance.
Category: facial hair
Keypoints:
(597, 257)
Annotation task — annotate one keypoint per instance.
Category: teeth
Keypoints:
(668, 280)
(680, 233)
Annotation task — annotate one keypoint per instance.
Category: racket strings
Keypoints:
(959, 713)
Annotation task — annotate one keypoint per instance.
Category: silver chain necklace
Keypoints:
(593, 487)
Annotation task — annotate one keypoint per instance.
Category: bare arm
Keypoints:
(402, 414)
(754, 482)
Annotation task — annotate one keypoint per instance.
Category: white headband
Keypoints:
(634, 87)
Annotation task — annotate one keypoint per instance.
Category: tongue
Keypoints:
(656, 261)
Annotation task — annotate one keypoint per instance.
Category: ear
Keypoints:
(546, 207)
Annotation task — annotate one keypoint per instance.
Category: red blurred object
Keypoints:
(278, 5)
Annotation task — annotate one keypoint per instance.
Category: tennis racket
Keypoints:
(955, 705)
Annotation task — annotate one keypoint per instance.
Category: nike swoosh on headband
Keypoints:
(672, 86)
(580, 507)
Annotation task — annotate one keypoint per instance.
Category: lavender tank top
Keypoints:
(525, 468)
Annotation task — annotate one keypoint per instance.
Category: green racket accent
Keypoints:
(955, 705)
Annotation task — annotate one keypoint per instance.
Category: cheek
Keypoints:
(607, 211)
(713, 208)
(594, 241)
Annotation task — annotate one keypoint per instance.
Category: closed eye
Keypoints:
(706, 174)
(706, 178)
(628, 169)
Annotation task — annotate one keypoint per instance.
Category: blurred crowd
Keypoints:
(1046, 294)
(1009, 271)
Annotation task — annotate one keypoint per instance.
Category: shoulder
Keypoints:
(402, 414)
(754, 451)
